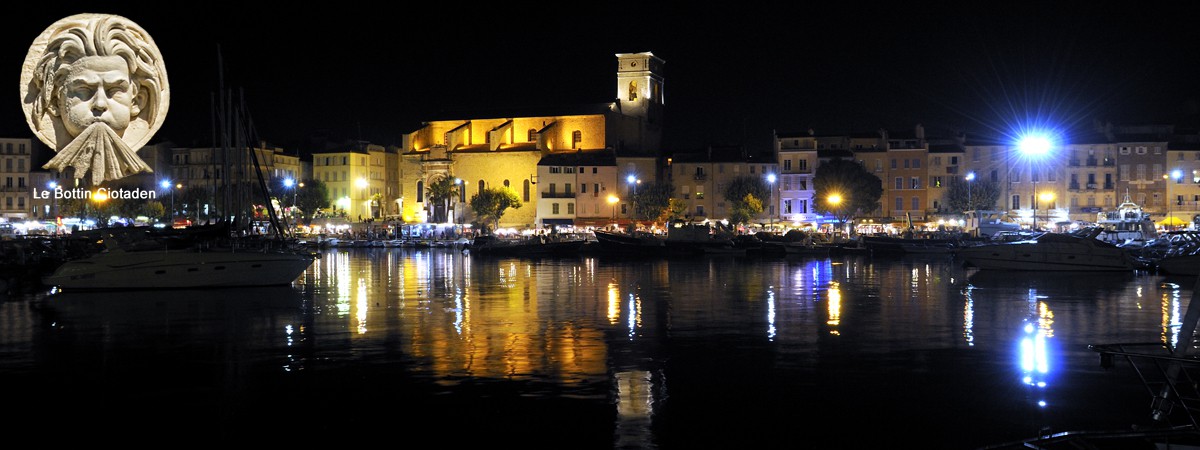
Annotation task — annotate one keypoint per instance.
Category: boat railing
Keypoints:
(1173, 382)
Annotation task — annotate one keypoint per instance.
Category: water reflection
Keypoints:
(579, 351)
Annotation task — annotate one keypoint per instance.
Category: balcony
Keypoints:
(1073, 162)
(1091, 185)
(700, 177)
(952, 170)
(1109, 186)
(1109, 162)
(1073, 186)
(1092, 162)
(558, 195)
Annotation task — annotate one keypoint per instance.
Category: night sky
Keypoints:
(732, 75)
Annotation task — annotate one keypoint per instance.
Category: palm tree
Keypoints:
(440, 192)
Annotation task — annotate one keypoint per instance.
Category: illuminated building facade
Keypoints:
(16, 185)
(1183, 181)
(504, 149)
(357, 181)
(701, 177)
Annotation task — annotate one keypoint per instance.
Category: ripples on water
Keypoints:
(436, 346)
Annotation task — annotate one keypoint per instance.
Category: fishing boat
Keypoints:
(1078, 251)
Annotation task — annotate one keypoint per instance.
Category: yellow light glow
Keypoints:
(1046, 197)
(835, 199)
(362, 183)
(612, 199)
(100, 196)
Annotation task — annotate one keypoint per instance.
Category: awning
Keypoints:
(1172, 221)
(558, 221)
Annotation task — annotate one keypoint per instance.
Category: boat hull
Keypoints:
(165, 270)
(1030, 256)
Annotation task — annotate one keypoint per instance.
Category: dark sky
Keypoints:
(732, 74)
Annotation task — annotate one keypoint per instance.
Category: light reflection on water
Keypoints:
(645, 353)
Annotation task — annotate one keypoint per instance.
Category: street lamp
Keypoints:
(633, 183)
(1045, 197)
(970, 177)
(1176, 175)
(612, 200)
(53, 186)
(835, 202)
(770, 201)
(1034, 147)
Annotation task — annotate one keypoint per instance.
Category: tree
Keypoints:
(963, 195)
(651, 200)
(676, 209)
(745, 209)
(312, 197)
(490, 203)
(859, 190)
(745, 194)
(440, 192)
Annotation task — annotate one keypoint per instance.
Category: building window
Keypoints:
(555, 169)
(916, 203)
(595, 189)
(1141, 150)
(699, 210)
(420, 191)
(803, 165)
(893, 163)
(21, 202)
(699, 195)
(899, 203)
(582, 188)
(936, 182)
(552, 189)
(567, 188)
(1016, 202)
(787, 165)
(937, 161)
(916, 182)
(554, 208)
(624, 208)
(954, 160)
(570, 208)
(899, 182)
(906, 163)
(506, 184)
(594, 170)
(633, 90)
(916, 164)
(803, 206)
(525, 193)
(532, 135)
(787, 206)
(576, 138)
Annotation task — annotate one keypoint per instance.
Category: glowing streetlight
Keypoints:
(771, 199)
(970, 177)
(1176, 175)
(835, 202)
(165, 184)
(1045, 197)
(288, 183)
(612, 200)
(1034, 147)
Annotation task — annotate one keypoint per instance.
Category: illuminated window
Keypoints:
(532, 135)
(506, 183)
(525, 197)
(576, 138)
(633, 90)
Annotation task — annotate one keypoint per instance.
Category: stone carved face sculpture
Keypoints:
(94, 88)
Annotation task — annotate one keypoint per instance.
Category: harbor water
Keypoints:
(435, 348)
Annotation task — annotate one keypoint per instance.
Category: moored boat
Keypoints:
(1079, 251)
